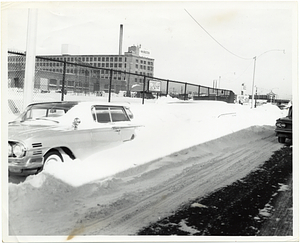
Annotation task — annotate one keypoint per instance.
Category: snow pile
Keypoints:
(169, 125)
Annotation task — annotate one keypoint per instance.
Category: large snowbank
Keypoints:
(169, 125)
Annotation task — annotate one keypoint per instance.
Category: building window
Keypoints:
(103, 59)
(120, 59)
(53, 81)
(107, 59)
(120, 65)
(111, 59)
(116, 59)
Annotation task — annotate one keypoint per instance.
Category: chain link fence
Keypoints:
(57, 79)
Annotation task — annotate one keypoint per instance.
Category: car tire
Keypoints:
(51, 157)
(281, 139)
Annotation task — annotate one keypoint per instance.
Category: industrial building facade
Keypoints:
(82, 78)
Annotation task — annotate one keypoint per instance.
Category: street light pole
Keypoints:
(252, 103)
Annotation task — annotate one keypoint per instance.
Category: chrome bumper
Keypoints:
(20, 164)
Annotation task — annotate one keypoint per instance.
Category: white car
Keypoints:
(44, 131)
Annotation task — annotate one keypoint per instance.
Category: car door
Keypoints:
(104, 133)
(78, 138)
(121, 122)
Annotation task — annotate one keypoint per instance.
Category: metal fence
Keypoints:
(54, 75)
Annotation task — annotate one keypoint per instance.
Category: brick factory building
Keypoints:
(84, 79)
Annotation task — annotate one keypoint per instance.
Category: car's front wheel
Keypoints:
(51, 157)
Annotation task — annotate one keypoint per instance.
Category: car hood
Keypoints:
(20, 131)
(285, 119)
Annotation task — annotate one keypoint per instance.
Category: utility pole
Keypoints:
(252, 103)
(255, 96)
(30, 57)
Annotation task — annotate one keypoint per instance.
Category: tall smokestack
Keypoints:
(121, 39)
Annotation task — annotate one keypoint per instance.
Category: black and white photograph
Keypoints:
(143, 121)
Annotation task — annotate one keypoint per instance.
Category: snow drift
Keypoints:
(168, 125)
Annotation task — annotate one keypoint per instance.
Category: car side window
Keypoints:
(104, 114)
(118, 114)
(101, 114)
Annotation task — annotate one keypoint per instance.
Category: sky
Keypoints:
(195, 42)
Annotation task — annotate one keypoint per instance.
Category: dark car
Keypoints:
(45, 91)
(284, 127)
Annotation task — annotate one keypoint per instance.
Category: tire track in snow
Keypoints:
(157, 193)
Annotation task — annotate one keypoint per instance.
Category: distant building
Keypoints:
(136, 61)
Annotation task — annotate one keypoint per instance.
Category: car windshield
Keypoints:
(45, 111)
(290, 114)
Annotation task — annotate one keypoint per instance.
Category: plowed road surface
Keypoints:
(134, 198)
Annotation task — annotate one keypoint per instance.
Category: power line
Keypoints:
(245, 58)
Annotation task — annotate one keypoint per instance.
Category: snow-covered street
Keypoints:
(182, 150)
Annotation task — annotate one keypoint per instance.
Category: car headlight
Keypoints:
(18, 150)
(10, 153)
(281, 125)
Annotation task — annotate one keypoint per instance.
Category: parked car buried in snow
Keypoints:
(284, 128)
(45, 131)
